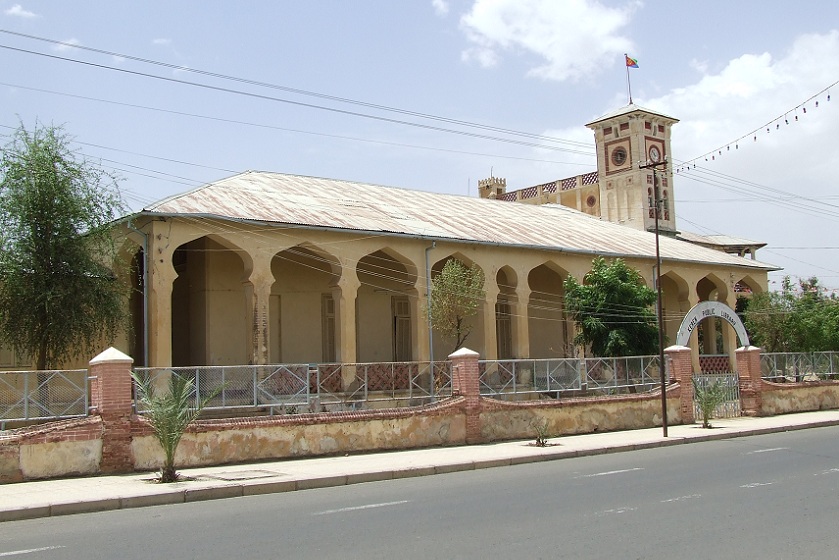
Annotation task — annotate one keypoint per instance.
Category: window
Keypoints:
(504, 330)
(327, 309)
(402, 349)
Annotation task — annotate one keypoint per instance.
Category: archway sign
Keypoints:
(706, 310)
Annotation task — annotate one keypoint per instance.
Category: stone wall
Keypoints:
(784, 398)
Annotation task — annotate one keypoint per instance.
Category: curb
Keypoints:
(235, 490)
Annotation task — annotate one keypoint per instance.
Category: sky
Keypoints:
(435, 95)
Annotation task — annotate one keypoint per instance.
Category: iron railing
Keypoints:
(43, 395)
(292, 388)
(793, 367)
(730, 383)
(506, 378)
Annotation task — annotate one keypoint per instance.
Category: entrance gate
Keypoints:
(730, 406)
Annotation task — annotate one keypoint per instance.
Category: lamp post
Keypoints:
(659, 314)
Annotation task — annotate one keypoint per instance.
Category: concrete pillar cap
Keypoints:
(464, 353)
(676, 348)
(111, 355)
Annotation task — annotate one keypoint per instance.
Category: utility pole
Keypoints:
(659, 314)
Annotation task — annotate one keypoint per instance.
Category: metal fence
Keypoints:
(31, 396)
(294, 388)
(568, 376)
(793, 367)
(730, 383)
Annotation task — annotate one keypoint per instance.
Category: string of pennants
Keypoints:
(789, 117)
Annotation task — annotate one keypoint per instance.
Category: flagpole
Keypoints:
(628, 84)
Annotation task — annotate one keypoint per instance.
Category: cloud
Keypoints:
(572, 38)
(18, 11)
(67, 45)
(441, 7)
(161, 41)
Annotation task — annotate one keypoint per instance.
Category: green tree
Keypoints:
(708, 396)
(794, 319)
(613, 310)
(456, 294)
(170, 412)
(60, 295)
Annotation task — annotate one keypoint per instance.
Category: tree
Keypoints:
(612, 309)
(60, 292)
(170, 413)
(796, 319)
(708, 395)
(456, 294)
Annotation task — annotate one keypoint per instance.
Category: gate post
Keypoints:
(681, 368)
(466, 383)
(751, 384)
(111, 399)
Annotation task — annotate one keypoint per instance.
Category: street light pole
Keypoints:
(659, 313)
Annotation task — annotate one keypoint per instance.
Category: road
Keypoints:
(768, 497)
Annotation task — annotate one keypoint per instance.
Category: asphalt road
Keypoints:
(766, 497)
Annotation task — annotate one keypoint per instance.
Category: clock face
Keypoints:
(655, 154)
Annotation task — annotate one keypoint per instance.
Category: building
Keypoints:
(273, 268)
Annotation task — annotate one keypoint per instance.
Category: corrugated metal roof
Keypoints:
(346, 205)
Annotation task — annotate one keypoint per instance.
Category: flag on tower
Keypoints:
(631, 62)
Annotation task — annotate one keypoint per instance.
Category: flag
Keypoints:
(631, 62)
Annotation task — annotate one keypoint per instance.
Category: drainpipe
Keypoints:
(428, 308)
(145, 292)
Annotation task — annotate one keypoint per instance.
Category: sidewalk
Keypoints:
(26, 500)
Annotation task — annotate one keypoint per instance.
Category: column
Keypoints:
(419, 327)
(751, 384)
(521, 326)
(490, 327)
(345, 295)
(678, 360)
(466, 384)
(161, 277)
(110, 388)
(258, 296)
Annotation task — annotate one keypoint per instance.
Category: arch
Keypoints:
(547, 321)
(675, 292)
(209, 325)
(711, 310)
(476, 339)
(302, 306)
(507, 281)
(386, 307)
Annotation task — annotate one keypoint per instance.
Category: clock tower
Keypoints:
(627, 139)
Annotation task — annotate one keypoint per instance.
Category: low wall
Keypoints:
(305, 435)
(115, 440)
(783, 398)
(504, 421)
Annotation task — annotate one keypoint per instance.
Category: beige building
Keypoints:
(274, 268)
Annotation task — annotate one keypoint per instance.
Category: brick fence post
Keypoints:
(679, 362)
(466, 383)
(751, 384)
(111, 399)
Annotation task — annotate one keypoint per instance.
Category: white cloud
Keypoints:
(67, 45)
(441, 7)
(792, 164)
(161, 41)
(18, 11)
(573, 38)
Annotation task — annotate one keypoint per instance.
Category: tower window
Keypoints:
(619, 156)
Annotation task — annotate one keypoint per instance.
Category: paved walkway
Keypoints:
(25, 500)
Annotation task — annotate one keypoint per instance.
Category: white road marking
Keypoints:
(617, 511)
(768, 450)
(609, 472)
(829, 471)
(680, 498)
(756, 484)
(30, 550)
(356, 508)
